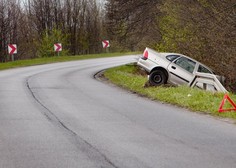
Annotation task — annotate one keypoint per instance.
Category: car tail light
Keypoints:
(145, 55)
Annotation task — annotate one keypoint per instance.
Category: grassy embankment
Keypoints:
(129, 77)
(47, 60)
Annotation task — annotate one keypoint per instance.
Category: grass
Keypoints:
(47, 60)
(129, 77)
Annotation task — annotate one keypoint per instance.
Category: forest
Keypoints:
(202, 29)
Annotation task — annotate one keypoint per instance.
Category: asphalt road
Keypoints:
(59, 116)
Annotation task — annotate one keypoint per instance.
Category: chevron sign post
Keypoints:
(105, 44)
(58, 48)
(12, 49)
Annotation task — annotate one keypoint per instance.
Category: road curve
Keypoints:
(58, 116)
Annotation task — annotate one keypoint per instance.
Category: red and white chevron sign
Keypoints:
(58, 47)
(105, 43)
(12, 49)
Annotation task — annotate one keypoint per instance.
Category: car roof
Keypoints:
(166, 54)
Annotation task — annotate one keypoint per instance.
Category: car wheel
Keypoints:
(157, 78)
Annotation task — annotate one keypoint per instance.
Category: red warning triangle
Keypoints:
(226, 97)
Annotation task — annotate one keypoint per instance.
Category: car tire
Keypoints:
(157, 78)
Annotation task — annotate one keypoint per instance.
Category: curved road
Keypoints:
(59, 116)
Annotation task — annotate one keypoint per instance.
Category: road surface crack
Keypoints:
(81, 143)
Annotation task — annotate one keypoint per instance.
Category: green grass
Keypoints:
(39, 61)
(194, 99)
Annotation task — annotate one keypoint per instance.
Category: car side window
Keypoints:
(186, 64)
(203, 69)
(172, 57)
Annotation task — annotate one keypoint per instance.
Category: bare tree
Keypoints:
(133, 23)
(4, 22)
(9, 15)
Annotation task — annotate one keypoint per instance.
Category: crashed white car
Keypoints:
(171, 68)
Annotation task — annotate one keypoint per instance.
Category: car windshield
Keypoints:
(172, 57)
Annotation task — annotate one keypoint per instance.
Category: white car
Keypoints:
(171, 68)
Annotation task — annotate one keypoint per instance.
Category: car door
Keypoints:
(181, 70)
